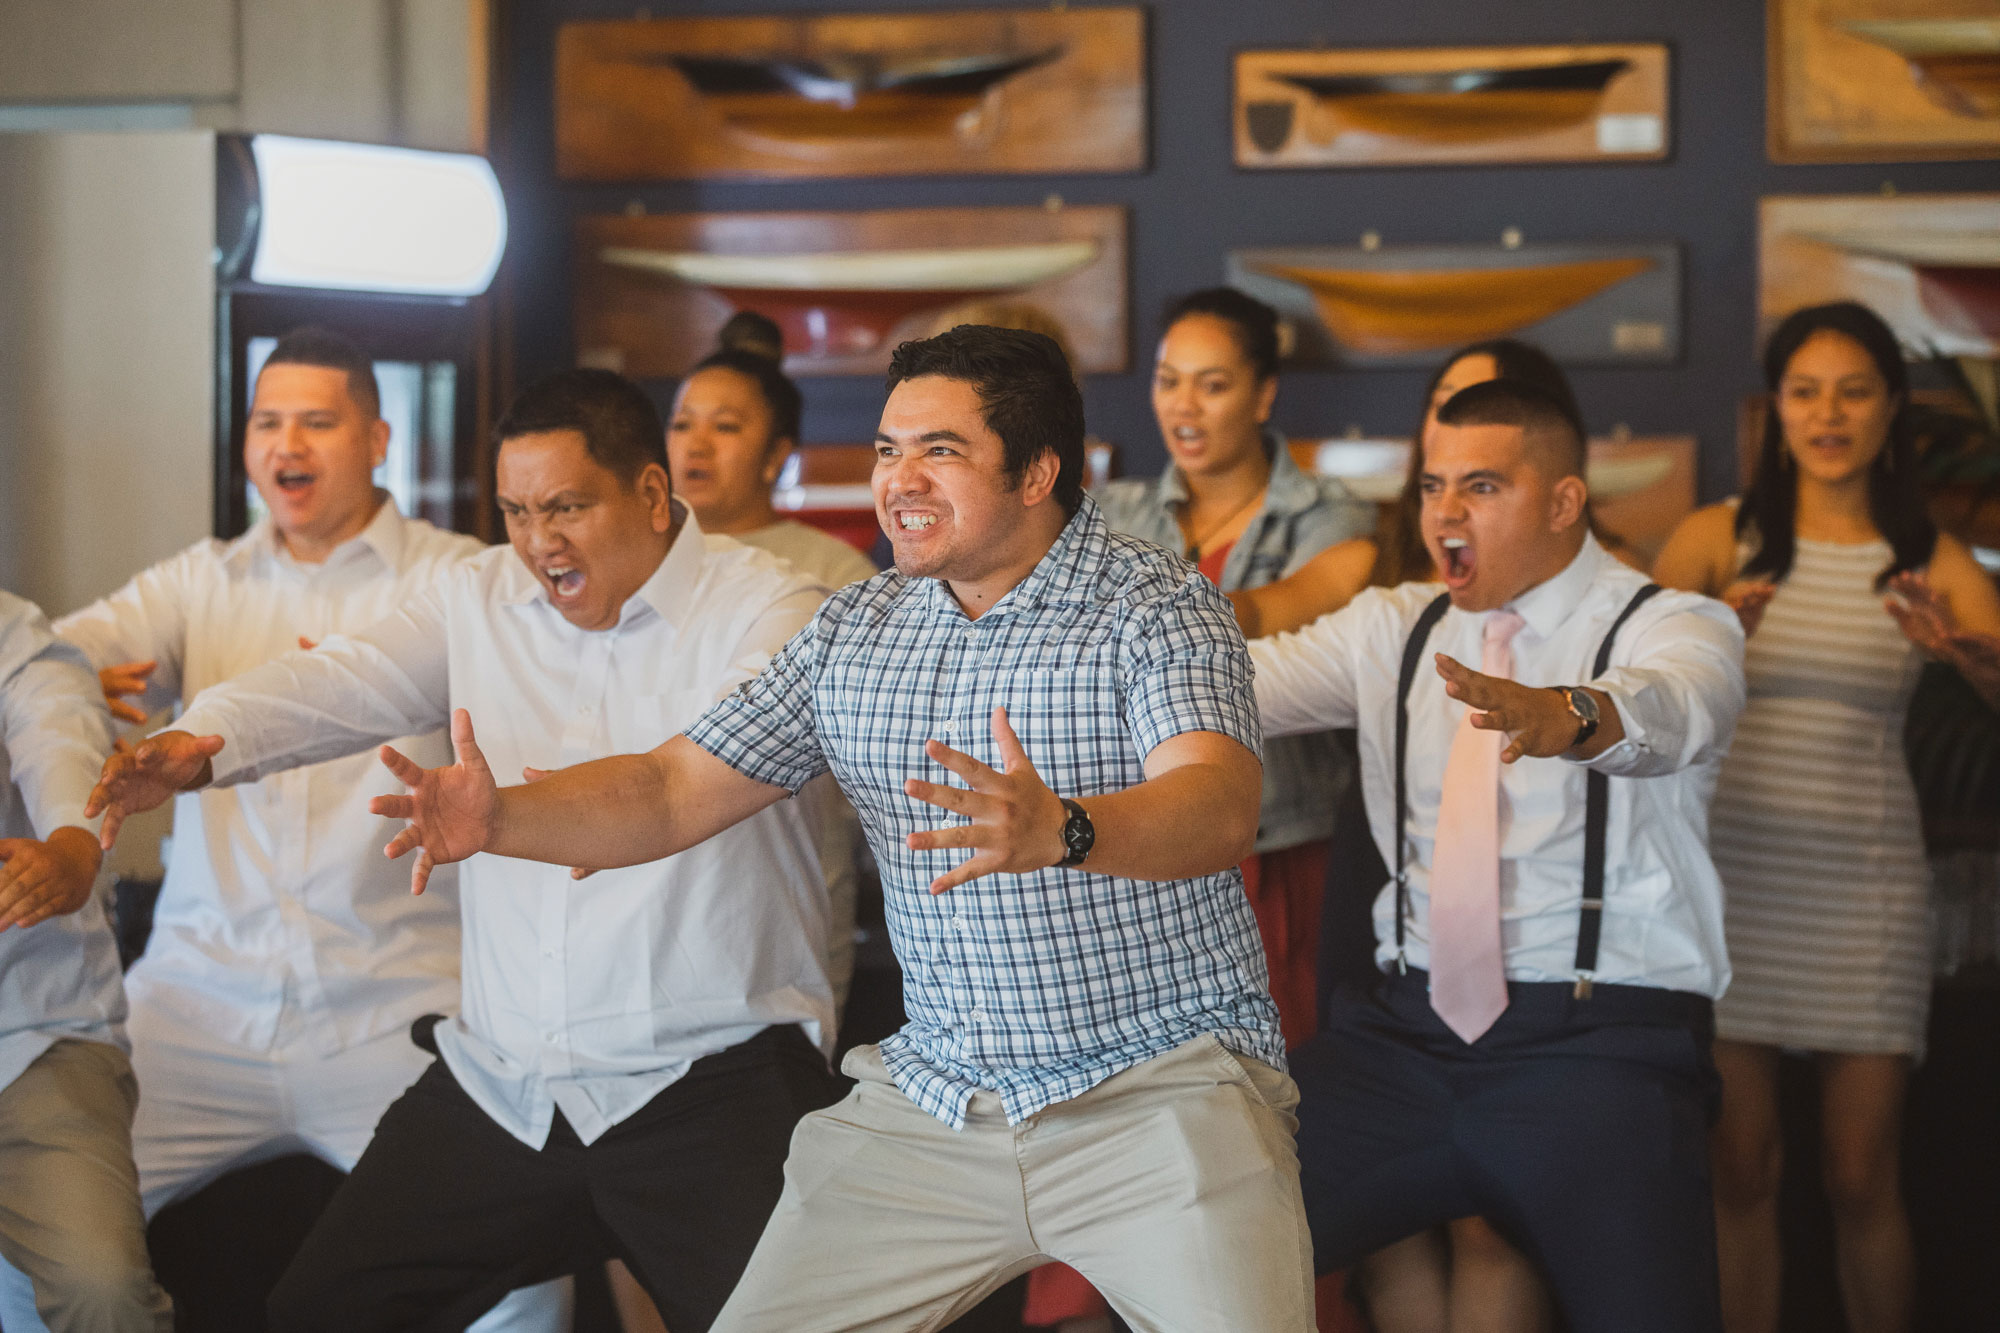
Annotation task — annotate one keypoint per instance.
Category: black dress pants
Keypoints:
(446, 1211)
(1579, 1128)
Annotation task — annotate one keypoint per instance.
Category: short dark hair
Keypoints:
(753, 346)
(1505, 402)
(619, 424)
(1027, 395)
(1254, 324)
(312, 345)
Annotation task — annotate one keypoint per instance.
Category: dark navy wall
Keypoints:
(1192, 205)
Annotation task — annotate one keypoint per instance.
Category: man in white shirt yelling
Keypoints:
(635, 1047)
(271, 1010)
(1536, 1051)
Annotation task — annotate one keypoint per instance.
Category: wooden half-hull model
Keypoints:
(789, 101)
(1958, 272)
(1406, 305)
(1956, 61)
(1354, 106)
(1929, 264)
(1883, 80)
(962, 91)
(1392, 313)
(846, 303)
(653, 290)
(1457, 105)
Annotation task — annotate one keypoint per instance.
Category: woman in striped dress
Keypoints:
(1842, 583)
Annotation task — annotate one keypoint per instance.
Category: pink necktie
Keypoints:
(1468, 974)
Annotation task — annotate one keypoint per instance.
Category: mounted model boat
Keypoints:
(847, 302)
(801, 99)
(1456, 106)
(1395, 312)
(1955, 61)
(1958, 272)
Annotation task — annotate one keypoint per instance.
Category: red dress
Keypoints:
(1285, 887)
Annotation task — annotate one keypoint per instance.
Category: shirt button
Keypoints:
(978, 1015)
(958, 923)
(553, 1038)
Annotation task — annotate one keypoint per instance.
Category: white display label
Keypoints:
(1630, 134)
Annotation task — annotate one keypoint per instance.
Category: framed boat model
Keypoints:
(846, 287)
(1585, 302)
(1439, 105)
(1929, 264)
(1883, 80)
(909, 94)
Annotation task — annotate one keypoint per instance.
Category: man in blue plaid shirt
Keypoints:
(1091, 1071)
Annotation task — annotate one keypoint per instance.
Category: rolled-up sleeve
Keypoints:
(1186, 669)
(766, 728)
(53, 723)
(1677, 678)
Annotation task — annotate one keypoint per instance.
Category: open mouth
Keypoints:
(1459, 561)
(914, 522)
(565, 581)
(293, 481)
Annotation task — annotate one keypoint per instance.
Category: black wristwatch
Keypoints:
(1584, 708)
(1079, 835)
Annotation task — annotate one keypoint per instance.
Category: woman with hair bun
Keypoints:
(1236, 504)
(734, 421)
(1843, 584)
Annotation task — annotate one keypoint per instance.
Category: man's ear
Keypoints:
(1569, 503)
(1038, 483)
(378, 442)
(653, 483)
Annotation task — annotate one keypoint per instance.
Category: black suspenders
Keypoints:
(1597, 787)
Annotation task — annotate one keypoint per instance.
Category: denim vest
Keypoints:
(1302, 515)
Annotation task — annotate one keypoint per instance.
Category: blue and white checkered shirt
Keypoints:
(1037, 986)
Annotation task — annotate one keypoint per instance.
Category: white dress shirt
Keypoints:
(279, 914)
(591, 995)
(58, 979)
(1676, 676)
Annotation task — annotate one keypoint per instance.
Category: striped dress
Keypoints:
(1815, 827)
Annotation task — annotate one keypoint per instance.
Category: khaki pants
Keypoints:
(1172, 1186)
(69, 1196)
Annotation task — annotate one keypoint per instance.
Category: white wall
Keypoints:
(107, 299)
(379, 71)
(106, 336)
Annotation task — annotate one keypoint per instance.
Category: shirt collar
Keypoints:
(1289, 490)
(384, 535)
(1064, 574)
(1549, 603)
(668, 590)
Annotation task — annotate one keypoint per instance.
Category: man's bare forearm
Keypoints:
(1191, 820)
(627, 809)
(606, 813)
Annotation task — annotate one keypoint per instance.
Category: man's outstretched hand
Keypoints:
(1536, 722)
(1016, 823)
(156, 770)
(453, 811)
(39, 880)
